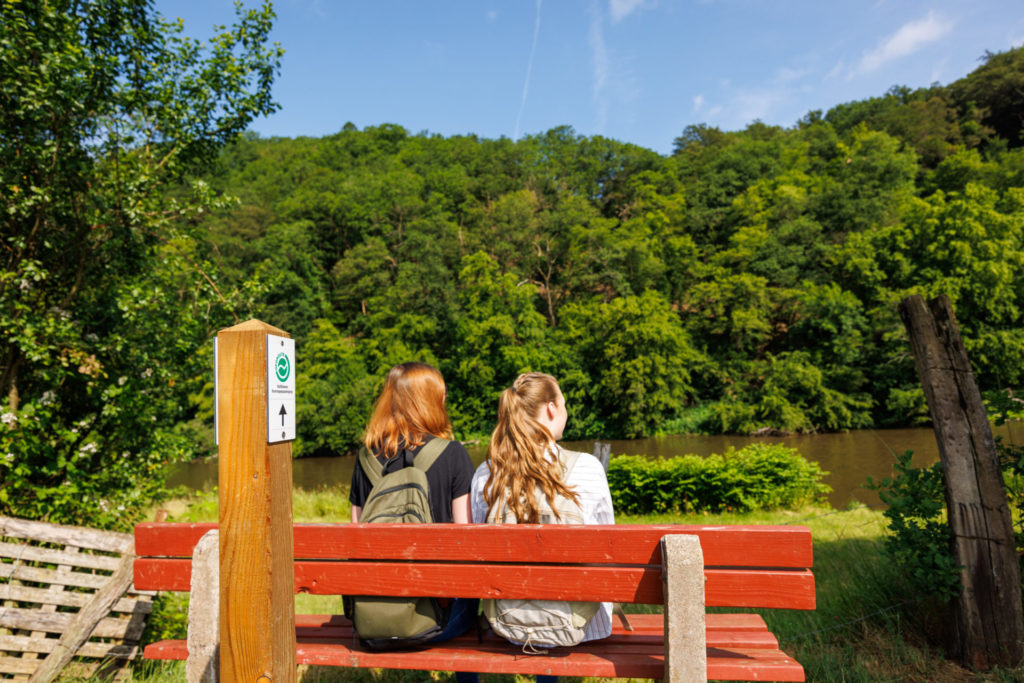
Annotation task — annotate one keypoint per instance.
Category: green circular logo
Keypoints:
(282, 367)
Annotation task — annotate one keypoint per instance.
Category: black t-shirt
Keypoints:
(449, 477)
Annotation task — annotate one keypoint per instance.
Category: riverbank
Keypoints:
(849, 457)
(862, 631)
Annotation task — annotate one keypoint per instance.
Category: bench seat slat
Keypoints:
(598, 659)
(790, 589)
(648, 629)
(735, 546)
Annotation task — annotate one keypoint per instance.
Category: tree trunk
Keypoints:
(988, 624)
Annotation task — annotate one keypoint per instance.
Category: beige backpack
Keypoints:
(542, 623)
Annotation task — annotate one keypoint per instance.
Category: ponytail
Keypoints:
(518, 453)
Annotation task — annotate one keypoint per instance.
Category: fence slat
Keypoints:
(31, 553)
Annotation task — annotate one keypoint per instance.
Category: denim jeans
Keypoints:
(461, 618)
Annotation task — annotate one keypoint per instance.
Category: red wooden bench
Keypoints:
(744, 566)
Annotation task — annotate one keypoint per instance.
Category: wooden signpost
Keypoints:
(257, 607)
(989, 627)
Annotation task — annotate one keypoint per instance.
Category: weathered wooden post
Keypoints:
(257, 608)
(603, 452)
(989, 627)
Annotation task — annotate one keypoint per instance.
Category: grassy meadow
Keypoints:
(862, 630)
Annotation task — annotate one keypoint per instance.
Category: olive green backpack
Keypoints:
(401, 496)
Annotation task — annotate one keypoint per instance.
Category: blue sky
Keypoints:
(639, 71)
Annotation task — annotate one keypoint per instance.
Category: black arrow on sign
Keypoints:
(282, 414)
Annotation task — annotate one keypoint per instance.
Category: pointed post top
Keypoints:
(254, 325)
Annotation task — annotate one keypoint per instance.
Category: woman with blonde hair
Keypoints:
(407, 417)
(524, 479)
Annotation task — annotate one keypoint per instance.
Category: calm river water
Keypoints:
(849, 457)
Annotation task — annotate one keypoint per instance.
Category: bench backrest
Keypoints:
(745, 566)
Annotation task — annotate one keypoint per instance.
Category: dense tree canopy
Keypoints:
(106, 114)
(746, 283)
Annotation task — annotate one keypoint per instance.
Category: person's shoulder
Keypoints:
(482, 470)
(455, 448)
(586, 463)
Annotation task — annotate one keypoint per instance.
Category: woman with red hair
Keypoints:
(409, 414)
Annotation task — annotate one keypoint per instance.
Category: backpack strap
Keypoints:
(567, 459)
(429, 454)
(372, 468)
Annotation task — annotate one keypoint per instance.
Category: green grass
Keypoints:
(861, 631)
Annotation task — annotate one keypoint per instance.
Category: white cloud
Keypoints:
(620, 9)
(698, 102)
(836, 70)
(788, 75)
(492, 16)
(910, 38)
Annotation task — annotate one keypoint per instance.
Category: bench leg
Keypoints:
(686, 657)
(203, 664)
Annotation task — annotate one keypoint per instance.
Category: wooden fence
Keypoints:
(66, 592)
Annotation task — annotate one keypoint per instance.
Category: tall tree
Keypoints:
(106, 112)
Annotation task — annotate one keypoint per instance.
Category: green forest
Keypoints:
(745, 283)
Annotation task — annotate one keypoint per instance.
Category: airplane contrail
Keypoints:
(529, 68)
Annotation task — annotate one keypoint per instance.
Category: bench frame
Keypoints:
(743, 566)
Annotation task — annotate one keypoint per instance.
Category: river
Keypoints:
(848, 457)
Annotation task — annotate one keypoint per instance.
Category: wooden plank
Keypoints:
(58, 622)
(744, 631)
(82, 537)
(988, 621)
(257, 610)
(17, 665)
(723, 630)
(741, 545)
(71, 599)
(790, 589)
(55, 591)
(31, 553)
(90, 649)
(20, 572)
(81, 624)
(500, 657)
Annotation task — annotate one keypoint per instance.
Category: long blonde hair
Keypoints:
(518, 453)
(410, 408)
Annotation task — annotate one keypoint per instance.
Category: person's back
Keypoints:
(408, 437)
(526, 479)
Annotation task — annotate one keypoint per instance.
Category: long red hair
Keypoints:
(408, 410)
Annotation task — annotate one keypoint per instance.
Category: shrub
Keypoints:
(757, 477)
(920, 540)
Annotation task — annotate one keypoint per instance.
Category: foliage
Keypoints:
(334, 392)
(747, 282)
(921, 540)
(754, 273)
(106, 113)
(757, 477)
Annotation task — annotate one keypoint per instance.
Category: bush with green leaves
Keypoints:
(756, 477)
(920, 540)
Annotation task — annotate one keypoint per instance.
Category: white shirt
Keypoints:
(588, 480)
